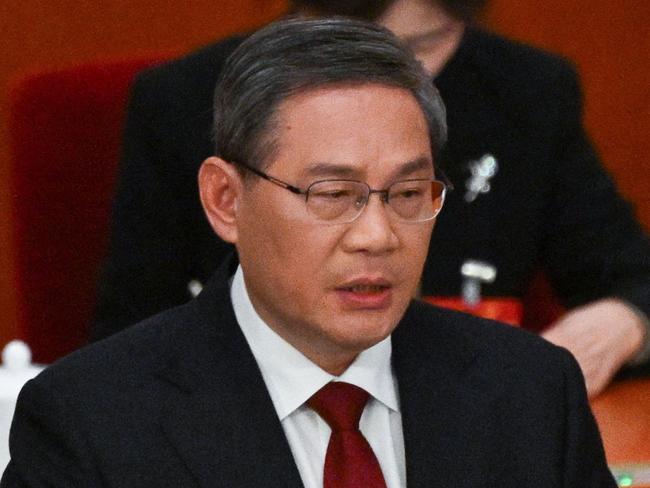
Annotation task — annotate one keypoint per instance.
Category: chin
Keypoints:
(368, 332)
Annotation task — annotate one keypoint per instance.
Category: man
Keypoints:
(550, 205)
(308, 364)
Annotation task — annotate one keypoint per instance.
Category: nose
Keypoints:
(372, 232)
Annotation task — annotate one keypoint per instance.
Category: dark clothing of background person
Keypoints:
(179, 401)
(551, 204)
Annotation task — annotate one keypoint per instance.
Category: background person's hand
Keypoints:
(602, 336)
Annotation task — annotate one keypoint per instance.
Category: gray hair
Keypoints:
(295, 55)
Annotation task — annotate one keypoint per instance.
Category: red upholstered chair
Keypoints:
(65, 129)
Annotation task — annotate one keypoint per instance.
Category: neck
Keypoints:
(334, 363)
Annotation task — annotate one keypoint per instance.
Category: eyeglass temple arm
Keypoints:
(261, 174)
(440, 175)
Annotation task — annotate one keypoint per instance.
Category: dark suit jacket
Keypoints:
(551, 204)
(178, 400)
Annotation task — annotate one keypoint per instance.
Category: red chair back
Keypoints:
(65, 129)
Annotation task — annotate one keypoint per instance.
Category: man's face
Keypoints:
(333, 290)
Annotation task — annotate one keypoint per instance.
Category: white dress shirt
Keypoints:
(292, 379)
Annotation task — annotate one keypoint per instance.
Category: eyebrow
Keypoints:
(418, 164)
(330, 169)
(344, 171)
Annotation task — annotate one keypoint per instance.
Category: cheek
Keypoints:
(305, 252)
(416, 236)
(418, 248)
(422, 243)
(294, 251)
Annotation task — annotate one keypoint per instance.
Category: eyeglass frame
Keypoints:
(447, 186)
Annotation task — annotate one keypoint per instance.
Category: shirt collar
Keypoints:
(291, 377)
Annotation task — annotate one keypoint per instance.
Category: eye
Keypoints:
(332, 194)
(411, 193)
(407, 193)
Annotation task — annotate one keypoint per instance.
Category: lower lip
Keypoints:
(369, 301)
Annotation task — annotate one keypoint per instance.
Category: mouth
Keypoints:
(365, 289)
(365, 294)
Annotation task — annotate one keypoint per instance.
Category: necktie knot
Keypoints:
(340, 405)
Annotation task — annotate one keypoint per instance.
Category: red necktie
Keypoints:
(349, 462)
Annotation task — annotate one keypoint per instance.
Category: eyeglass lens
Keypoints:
(343, 200)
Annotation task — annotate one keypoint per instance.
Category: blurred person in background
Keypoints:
(550, 204)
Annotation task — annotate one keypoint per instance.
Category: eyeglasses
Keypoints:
(342, 201)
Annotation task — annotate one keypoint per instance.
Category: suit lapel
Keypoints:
(219, 416)
(446, 422)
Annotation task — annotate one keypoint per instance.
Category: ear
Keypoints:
(220, 188)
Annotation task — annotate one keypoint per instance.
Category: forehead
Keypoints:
(366, 130)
